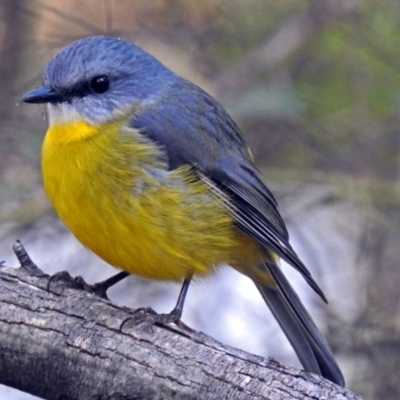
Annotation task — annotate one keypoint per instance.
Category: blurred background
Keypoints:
(315, 87)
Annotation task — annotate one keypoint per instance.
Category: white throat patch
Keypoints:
(62, 113)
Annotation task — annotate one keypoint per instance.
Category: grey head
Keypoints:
(100, 78)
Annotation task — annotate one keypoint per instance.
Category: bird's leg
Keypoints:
(149, 316)
(176, 314)
(100, 288)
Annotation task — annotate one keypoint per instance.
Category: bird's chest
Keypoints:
(129, 210)
(101, 191)
(83, 177)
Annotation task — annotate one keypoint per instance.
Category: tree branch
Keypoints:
(59, 342)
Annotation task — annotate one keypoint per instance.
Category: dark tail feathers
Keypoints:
(308, 343)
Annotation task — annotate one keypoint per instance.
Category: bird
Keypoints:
(151, 173)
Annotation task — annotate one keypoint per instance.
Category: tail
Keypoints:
(308, 343)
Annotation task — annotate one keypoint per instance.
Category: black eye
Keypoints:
(99, 84)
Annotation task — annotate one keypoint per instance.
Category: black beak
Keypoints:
(42, 95)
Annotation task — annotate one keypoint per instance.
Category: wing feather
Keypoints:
(194, 129)
(254, 221)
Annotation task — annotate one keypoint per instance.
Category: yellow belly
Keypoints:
(111, 190)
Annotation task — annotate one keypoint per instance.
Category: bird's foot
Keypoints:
(64, 279)
(146, 317)
(99, 289)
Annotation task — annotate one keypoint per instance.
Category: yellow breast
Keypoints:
(110, 188)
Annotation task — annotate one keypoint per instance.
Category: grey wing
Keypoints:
(195, 130)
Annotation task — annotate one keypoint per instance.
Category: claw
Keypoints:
(151, 318)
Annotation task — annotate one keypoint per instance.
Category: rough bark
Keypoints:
(59, 342)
